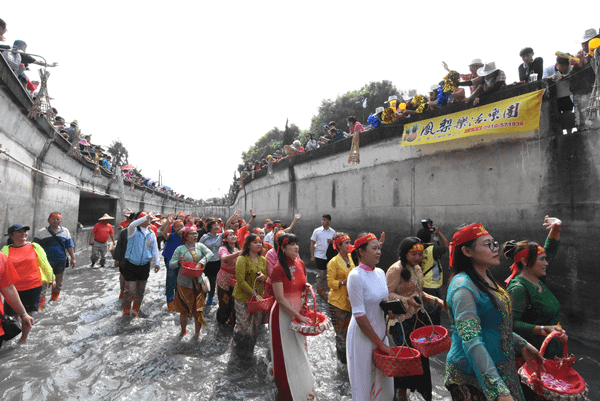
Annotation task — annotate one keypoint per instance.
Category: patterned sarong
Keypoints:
(191, 301)
(341, 320)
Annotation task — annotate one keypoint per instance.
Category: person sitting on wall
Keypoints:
(2, 30)
(14, 59)
(433, 94)
(297, 147)
(493, 79)
(86, 147)
(530, 65)
(557, 72)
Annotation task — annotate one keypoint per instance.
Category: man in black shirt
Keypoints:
(530, 65)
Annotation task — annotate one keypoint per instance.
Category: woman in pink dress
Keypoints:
(291, 367)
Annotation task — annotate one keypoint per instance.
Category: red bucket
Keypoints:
(560, 381)
(430, 340)
(191, 269)
(407, 362)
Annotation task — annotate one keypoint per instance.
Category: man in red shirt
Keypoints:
(99, 239)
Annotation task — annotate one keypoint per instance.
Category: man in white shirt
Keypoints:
(319, 242)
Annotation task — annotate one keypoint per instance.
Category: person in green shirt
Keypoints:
(535, 308)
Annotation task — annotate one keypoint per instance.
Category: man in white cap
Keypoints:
(490, 79)
(99, 239)
(584, 54)
(473, 67)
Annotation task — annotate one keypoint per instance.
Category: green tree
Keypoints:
(272, 141)
(119, 153)
(351, 104)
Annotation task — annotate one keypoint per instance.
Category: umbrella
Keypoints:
(128, 167)
(167, 188)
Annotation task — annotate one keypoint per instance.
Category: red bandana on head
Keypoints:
(55, 214)
(339, 240)
(465, 235)
(418, 247)
(523, 254)
(363, 240)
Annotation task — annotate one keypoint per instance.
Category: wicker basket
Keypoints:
(191, 269)
(318, 321)
(560, 382)
(430, 340)
(254, 305)
(407, 361)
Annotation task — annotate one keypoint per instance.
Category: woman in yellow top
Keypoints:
(249, 267)
(340, 310)
(405, 282)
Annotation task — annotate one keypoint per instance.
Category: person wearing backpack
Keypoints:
(56, 241)
(433, 275)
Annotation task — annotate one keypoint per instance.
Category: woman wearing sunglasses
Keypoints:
(481, 362)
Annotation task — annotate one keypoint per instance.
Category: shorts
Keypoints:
(133, 272)
(30, 300)
(321, 263)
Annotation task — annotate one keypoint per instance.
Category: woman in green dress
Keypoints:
(535, 309)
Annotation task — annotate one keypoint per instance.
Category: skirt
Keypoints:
(190, 301)
(341, 320)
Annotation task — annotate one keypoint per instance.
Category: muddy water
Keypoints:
(81, 349)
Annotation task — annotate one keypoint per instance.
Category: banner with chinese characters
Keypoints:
(520, 113)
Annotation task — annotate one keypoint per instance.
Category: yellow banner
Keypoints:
(519, 113)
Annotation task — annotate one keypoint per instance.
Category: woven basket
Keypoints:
(560, 382)
(407, 361)
(254, 305)
(430, 340)
(191, 269)
(318, 321)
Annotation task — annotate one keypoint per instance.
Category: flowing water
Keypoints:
(81, 349)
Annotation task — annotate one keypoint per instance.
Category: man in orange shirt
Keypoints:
(99, 239)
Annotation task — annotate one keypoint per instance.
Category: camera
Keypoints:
(428, 224)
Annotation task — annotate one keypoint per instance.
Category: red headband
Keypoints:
(188, 230)
(522, 254)
(339, 240)
(362, 240)
(226, 233)
(256, 230)
(55, 214)
(180, 214)
(285, 241)
(418, 247)
(276, 225)
(466, 234)
(177, 224)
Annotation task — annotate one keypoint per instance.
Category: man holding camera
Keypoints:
(432, 268)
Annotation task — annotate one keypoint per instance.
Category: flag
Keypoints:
(365, 104)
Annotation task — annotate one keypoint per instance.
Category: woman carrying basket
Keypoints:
(367, 287)
(340, 310)
(481, 363)
(189, 299)
(291, 367)
(228, 254)
(250, 273)
(405, 283)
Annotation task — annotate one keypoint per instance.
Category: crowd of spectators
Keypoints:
(19, 61)
(483, 81)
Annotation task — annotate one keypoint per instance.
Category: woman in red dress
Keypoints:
(290, 357)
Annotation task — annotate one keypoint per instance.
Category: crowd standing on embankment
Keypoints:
(494, 329)
(19, 60)
(484, 80)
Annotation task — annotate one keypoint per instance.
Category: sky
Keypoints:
(188, 86)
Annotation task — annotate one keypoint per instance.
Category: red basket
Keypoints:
(407, 362)
(430, 340)
(560, 382)
(318, 321)
(191, 269)
(254, 305)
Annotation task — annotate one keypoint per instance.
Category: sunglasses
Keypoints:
(493, 245)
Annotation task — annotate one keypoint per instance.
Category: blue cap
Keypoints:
(326, 127)
(16, 227)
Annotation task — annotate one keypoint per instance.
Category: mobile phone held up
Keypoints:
(428, 224)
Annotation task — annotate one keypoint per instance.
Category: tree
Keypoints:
(119, 154)
(351, 104)
(272, 141)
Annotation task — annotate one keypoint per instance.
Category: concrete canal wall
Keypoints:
(37, 176)
(508, 181)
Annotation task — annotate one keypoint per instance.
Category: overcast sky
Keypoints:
(189, 85)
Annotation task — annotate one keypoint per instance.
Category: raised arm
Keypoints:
(296, 218)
